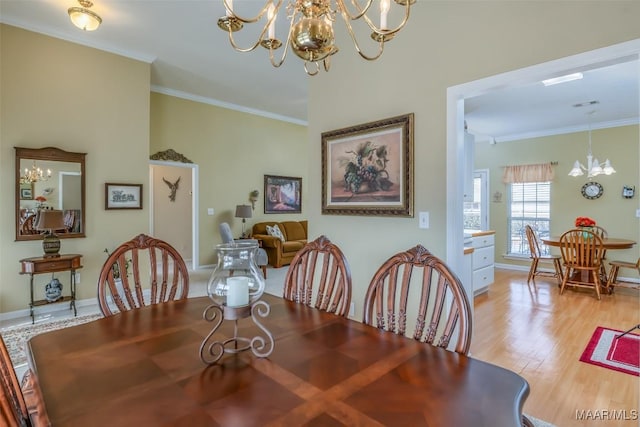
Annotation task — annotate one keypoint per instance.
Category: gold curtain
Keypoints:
(528, 173)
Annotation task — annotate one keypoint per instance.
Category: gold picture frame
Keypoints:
(368, 169)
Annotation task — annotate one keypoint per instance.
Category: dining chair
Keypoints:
(442, 303)
(537, 256)
(18, 409)
(613, 281)
(319, 276)
(602, 233)
(13, 409)
(581, 253)
(141, 260)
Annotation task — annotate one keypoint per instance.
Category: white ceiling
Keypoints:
(192, 58)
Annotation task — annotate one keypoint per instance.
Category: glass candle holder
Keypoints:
(236, 280)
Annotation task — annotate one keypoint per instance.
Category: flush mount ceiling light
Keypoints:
(83, 18)
(562, 79)
(593, 165)
(310, 33)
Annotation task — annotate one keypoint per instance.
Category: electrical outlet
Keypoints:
(423, 221)
(637, 213)
(352, 309)
(210, 211)
(77, 278)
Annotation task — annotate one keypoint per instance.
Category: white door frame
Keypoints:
(455, 126)
(195, 243)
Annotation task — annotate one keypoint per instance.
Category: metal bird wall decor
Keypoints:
(173, 187)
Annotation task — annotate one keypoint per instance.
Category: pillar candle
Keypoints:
(237, 291)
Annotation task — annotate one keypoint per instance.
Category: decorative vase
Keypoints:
(587, 232)
(236, 280)
(53, 290)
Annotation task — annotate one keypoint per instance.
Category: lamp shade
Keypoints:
(50, 220)
(243, 211)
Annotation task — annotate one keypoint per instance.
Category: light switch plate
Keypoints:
(423, 220)
(637, 213)
(210, 211)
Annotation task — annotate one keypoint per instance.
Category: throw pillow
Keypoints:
(275, 232)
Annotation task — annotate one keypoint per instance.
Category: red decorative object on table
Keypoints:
(585, 221)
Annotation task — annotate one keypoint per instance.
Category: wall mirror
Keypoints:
(49, 178)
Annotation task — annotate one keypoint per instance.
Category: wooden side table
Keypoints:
(41, 265)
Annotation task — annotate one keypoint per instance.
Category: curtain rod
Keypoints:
(552, 163)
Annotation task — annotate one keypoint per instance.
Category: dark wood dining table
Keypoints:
(143, 368)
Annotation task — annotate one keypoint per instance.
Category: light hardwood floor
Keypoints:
(534, 331)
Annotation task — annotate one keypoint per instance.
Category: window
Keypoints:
(476, 212)
(529, 204)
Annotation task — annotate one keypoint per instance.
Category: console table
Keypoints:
(41, 265)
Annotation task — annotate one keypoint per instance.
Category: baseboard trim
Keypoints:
(47, 309)
(525, 268)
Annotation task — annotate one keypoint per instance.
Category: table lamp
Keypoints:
(50, 220)
(244, 212)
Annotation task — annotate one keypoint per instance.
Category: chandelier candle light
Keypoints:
(593, 165)
(310, 33)
(235, 287)
(35, 174)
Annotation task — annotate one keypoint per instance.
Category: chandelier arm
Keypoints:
(369, 22)
(357, 45)
(362, 11)
(244, 49)
(311, 73)
(284, 53)
(387, 32)
(255, 18)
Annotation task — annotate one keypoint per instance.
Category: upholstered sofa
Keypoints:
(281, 252)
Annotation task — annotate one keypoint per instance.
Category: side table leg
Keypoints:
(73, 293)
(33, 320)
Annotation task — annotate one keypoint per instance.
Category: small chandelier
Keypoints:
(35, 174)
(83, 18)
(593, 165)
(310, 32)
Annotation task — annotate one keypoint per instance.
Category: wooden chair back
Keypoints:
(319, 276)
(537, 256)
(28, 225)
(581, 250)
(390, 293)
(13, 409)
(534, 244)
(120, 285)
(69, 221)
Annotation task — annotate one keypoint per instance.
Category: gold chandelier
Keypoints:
(35, 174)
(310, 32)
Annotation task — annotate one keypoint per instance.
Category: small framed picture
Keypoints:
(282, 194)
(122, 196)
(26, 191)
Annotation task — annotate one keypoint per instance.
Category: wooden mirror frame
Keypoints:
(49, 154)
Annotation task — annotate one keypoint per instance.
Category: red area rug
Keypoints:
(619, 354)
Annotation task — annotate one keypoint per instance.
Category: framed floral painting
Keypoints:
(282, 194)
(368, 169)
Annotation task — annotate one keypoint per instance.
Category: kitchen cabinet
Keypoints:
(483, 262)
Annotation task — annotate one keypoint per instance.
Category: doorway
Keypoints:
(456, 96)
(173, 213)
